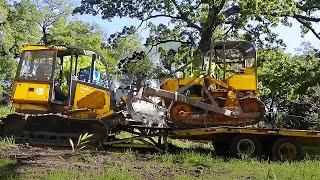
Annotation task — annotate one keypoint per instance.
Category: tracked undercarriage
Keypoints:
(54, 129)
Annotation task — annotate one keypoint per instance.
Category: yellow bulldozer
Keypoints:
(57, 96)
(224, 95)
(53, 95)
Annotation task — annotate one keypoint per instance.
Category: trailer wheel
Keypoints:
(286, 149)
(246, 146)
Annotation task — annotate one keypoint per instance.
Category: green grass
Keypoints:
(5, 110)
(189, 160)
(7, 143)
(183, 165)
(7, 169)
(111, 171)
(79, 175)
(218, 168)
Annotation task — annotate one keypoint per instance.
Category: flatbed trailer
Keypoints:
(279, 144)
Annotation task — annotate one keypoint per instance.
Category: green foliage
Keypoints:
(51, 11)
(16, 18)
(125, 47)
(5, 110)
(76, 33)
(196, 22)
(20, 16)
(83, 141)
(284, 79)
(185, 61)
(7, 169)
(7, 72)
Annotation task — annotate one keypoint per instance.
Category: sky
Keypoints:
(290, 35)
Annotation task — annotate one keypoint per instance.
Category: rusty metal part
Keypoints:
(183, 115)
(252, 104)
(179, 112)
(187, 112)
(175, 96)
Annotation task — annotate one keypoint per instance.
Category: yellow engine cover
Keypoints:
(95, 99)
(243, 82)
(29, 92)
(30, 96)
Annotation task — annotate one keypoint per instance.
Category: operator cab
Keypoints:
(234, 62)
(55, 79)
(231, 63)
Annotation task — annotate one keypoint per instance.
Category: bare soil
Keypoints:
(43, 160)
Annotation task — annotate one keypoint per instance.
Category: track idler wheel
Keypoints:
(179, 112)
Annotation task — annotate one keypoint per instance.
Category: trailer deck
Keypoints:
(281, 144)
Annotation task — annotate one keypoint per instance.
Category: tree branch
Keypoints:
(170, 40)
(184, 17)
(306, 18)
(309, 27)
(306, 7)
(167, 41)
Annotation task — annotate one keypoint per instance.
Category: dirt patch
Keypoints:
(43, 160)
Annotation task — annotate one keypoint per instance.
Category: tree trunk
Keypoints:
(45, 36)
(205, 42)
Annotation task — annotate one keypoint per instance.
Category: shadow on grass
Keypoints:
(172, 149)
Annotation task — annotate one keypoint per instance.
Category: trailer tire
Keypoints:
(286, 149)
(245, 146)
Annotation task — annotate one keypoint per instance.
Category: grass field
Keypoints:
(190, 161)
(5, 110)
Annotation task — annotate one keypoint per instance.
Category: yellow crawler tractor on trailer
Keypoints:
(223, 96)
(55, 97)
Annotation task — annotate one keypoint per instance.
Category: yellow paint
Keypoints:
(84, 90)
(41, 47)
(29, 107)
(251, 70)
(31, 92)
(173, 84)
(231, 130)
(243, 82)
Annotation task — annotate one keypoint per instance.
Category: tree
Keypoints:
(16, 18)
(195, 22)
(51, 12)
(177, 63)
(128, 49)
(76, 33)
(309, 16)
(288, 85)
